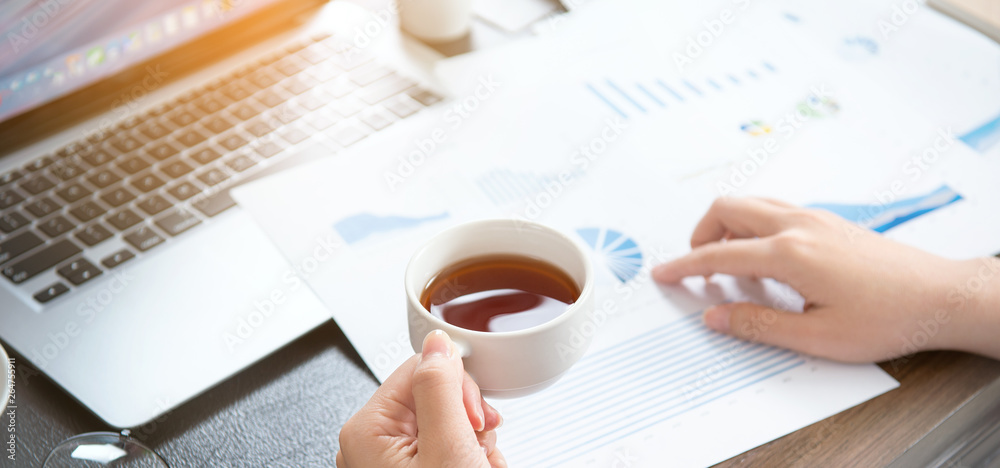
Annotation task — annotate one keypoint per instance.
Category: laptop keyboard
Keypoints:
(156, 175)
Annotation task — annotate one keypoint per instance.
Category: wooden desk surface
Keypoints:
(932, 387)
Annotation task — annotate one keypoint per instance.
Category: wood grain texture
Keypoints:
(932, 387)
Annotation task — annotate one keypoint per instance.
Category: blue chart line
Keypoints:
(692, 87)
(606, 100)
(625, 95)
(358, 227)
(984, 137)
(881, 218)
(651, 96)
(629, 387)
(627, 99)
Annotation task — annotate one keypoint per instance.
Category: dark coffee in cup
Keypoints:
(499, 293)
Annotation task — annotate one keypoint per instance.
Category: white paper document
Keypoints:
(615, 145)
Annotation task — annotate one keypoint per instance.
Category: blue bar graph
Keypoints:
(641, 97)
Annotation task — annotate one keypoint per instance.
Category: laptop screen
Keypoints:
(51, 48)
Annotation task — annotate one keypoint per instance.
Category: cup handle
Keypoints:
(463, 347)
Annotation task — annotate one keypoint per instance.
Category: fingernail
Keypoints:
(499, 416)
(437, 344)
(717, 318)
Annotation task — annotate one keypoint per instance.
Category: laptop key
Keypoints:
(66, 170)
(124, 219)
(243, 111)
(9, 198)
(185, 117)
(154, 204)
(103, 179)
(238, 90)
(16, 246)
(260, 127)
(38, 164)
(190, 137)
(51, 292)
(287, 113)
(215, 204)
(13, 221)
(205, 156)
(73, 193)
(93, 234)
(232, 141)
(299, 84)
(133, 164)
(263, 78)
(269, 98)
(37, 184)
(217, 124)
(42, 207)
(290, 65)
(41, 261)
(209, 104)
(183, 191)
(79, 271)
(403, 105)
(117, 197)
(424, 96)
(87, 211)
(97, 158)
(175, 168)
(177, 221)
(162, 151)
(154, 130)
(9, 177)
(269, 148)
(293, 135)
(213, 176)
(382, 89)
(147, 182)
(240, 162)
(55, 226)
(124, 143)
(117, 258)
(144, 238)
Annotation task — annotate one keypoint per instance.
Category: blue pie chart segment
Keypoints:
(616, 251)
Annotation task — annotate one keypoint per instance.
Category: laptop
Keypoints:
(127, 273)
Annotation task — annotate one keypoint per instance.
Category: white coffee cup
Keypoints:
(512, 363)
(436, 21)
